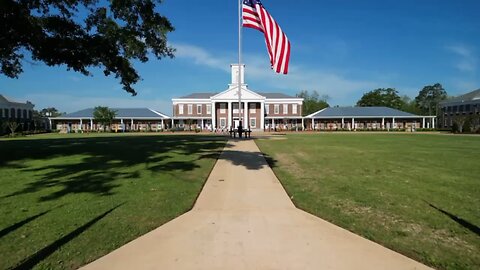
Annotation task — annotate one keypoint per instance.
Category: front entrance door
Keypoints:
(236, 122)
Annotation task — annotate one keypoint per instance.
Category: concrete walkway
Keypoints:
(244, 219)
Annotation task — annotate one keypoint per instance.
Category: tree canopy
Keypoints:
(312, 102)
(82, 34)
(429, 97)
(104, 115)
(387, 97)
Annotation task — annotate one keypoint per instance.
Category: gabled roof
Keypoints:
(474, 95)
(275, 95)
(200, 95)
(11, 101)
(137, 113)
(339, 112)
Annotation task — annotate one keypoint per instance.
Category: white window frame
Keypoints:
(223, 107)
(209, 109)
(294, 108)
(223, 119)
(180, 108)
(276, 108)
(199, 109)
(267, 109)
(253, 108)
(285, 108)
(254, 122)
(190, 108)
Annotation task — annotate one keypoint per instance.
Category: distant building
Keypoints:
(20, 112)
(126, 119)
(351, 118)
(464, 105)
(213, 111)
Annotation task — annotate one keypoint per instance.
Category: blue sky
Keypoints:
(341, 48)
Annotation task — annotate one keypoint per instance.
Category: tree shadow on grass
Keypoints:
(102, 162)
(471, 227)
(48, 250)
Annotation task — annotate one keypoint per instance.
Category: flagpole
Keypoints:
(239, 63)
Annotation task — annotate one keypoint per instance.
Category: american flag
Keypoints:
(255, 16)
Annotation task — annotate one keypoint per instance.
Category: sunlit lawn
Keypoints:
(66, 200)
(415, 193)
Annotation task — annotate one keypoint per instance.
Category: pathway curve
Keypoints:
(243, 219)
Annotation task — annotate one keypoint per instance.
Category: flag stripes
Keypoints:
(256, 16)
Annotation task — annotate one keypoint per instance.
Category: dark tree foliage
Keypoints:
(312, 102)
(429, 97)
(104, 116)
(387, 97)
(82, 34)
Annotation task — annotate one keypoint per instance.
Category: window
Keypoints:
(223, 122)
(267, 108)
(285, 108)
(180, 108)
(223, 107)
(19, 113)
(253, 108)
(5, 113)
(276, 108)
(209, 109)
(294, 108)
(253, 122)
(199, 109)
(190, 108)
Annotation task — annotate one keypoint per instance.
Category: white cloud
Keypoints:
(466, 58)
(337, 86)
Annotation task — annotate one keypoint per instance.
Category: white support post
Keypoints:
(131, 124)
(246, 121)
(353, 124)
(273, 124)
(383, 123)
(423, 122)
(303, 126)
(81, 123)
(433, 122)
(91, 124)
(229, 108)
(262, 115)
(393, 123)
(214, 112)
(202, 125)
(343, 122)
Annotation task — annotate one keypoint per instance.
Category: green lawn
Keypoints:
(417, 194)
(66, 200)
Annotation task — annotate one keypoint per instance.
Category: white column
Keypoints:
(214, 112)
(393, 123)
(163, 124)
(229, 108)
(313, 124)
(131, 124)
(273, 124)
(383, 123)
(303, 127)
(172, 123)
(262, 115)
(91, 124)
(353, 124)
(423, 122)
(202, 124)
(343, 122)
(246, 121)
(433, 122)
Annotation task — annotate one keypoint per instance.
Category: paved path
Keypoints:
(243, 219)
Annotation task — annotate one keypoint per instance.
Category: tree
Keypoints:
(49, 112)
(387, 97)
(104, 116)
(12, 126)
(312, 102)
(429, 97)
(82, 34)
(409, 105)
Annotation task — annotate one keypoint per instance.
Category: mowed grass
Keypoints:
(66, 200)
(417, 194)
